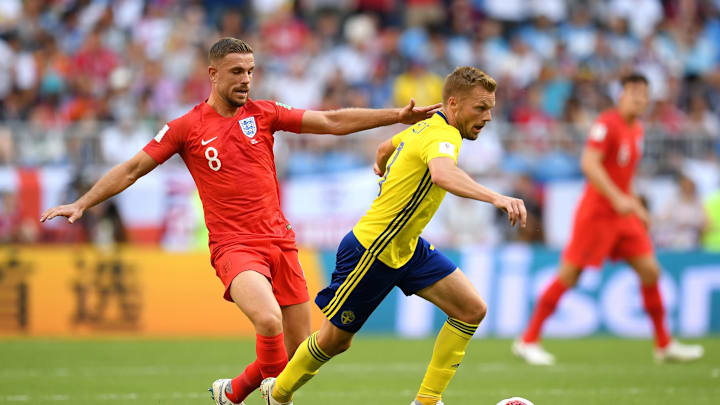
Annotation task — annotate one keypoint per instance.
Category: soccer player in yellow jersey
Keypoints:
(384, 250)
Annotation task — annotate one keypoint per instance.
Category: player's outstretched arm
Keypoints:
(349, 120)
(116, 180)
(384, 151)
(447, 175)
(592, 168)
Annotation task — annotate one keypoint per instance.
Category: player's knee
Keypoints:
(569, 274)
(342, 346)
(336, 345)
(652, 274)
(474, 311)
(268, 323)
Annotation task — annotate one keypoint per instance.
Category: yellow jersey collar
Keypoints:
(440, 113)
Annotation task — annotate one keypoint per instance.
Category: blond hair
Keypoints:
(465, 78)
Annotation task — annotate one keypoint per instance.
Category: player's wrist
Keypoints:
(80, 204)
(399, 118)
(496, 198)
(618, 199)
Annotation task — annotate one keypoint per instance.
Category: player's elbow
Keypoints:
(589, 161)
(384, 150)
(334, 124)
(131, 172)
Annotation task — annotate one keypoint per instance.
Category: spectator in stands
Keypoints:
(682, 219)
(69, 69)
(419, 84)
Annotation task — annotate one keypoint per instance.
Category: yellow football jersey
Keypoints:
(407, 198)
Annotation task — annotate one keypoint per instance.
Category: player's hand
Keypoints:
(410, 114)
(72, 212)
(380, 172)
(642, 214)
(624, 205)
(514, 207)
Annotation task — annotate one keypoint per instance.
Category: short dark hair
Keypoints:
(226, 46)
(464, 78)
(633, 77)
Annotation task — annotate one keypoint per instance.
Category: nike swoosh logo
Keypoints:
(204, 142)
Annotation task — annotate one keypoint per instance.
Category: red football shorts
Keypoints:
(276, 260)
(596, 237)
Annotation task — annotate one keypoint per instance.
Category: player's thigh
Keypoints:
(252, 292)
(296, 325)
(288, 278)
(646, 267)
(456, 296)
(635, 247)
(592, 239)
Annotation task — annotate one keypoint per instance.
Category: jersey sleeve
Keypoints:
(167, 142)
(440, 143)
(287, 118)
(599, 136)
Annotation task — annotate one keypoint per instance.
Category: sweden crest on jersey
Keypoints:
(248, 126)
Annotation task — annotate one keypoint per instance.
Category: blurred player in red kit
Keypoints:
(610, 222)
(227, 145)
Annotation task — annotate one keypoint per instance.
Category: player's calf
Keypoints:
(448, 354)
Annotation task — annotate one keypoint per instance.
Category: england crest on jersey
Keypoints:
(248, 126)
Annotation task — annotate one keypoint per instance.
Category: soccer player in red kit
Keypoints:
(227, 144)
(610, 222)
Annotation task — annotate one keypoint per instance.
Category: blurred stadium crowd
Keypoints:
(86, 83)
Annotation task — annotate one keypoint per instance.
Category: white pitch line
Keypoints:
(499, 391)
(112, 371)
(106, 396)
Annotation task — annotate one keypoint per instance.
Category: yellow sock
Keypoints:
(303, 366)
(448, 353)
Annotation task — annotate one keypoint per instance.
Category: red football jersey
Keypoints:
(233, 165)
(621, 144)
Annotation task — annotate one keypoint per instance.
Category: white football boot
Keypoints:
(266, 389)
(532, 353)
(678, 352)
(217, 392)
(415, 402)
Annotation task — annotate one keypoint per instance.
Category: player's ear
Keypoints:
(452, 103)
(212, 71)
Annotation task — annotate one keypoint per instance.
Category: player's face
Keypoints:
(636, 97)
(231, 77)
(472, 111)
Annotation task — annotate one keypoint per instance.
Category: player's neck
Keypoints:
(449, 117)
(627, 116)
(221, 107)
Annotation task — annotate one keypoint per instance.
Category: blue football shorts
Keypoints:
(356, 288)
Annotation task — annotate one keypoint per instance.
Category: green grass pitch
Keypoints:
(376, 370)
